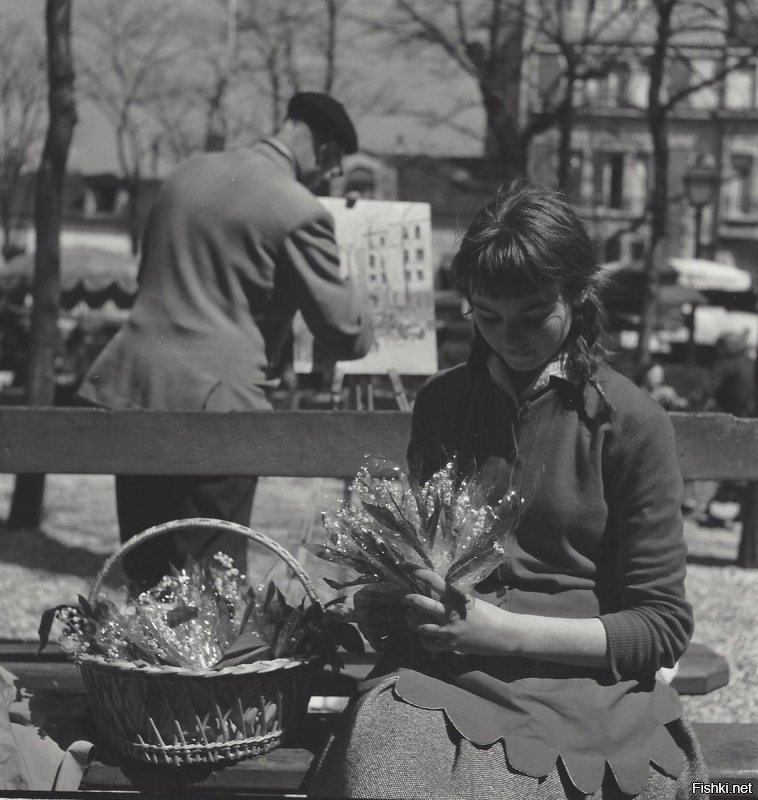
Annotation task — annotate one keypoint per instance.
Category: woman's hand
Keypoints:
(456, 621)
(378, 612)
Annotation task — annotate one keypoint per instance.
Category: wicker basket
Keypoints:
(171, 715)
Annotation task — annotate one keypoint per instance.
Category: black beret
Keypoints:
(326, 116)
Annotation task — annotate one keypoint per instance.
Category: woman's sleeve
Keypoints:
(419, 443)
(654, 624)
(428, 449)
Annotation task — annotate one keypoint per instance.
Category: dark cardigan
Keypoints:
(602, 535)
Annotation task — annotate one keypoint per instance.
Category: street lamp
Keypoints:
(701, 183)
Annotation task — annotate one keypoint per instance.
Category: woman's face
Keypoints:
(524, 331)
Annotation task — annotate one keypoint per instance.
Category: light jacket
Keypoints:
(233, 246)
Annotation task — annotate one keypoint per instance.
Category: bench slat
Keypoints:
(328, 444)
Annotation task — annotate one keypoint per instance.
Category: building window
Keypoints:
(740, 88)
(637, 250)
(637, 183)
(679, 80)
(549, 74)
(739, 190)
(707, 98)
(638, 87)
(611, 90)
(608, 179)
(617, 87)
(574, 175)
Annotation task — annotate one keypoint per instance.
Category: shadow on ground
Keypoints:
(710, 561)
(34, 549)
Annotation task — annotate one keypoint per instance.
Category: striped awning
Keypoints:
(89, 275)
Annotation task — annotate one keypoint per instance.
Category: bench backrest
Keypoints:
(285, 443)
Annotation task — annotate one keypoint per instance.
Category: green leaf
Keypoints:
(85, 606)
(359, 581)
(45, 625)
(181, 614)
(421, 508)
(347, 636)
(381, 514)
(433, 522)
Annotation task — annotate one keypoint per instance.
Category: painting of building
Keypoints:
(385, 247)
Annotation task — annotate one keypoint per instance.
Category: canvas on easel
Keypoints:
(385, 246)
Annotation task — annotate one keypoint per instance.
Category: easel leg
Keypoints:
(397, 388)
(338, 380)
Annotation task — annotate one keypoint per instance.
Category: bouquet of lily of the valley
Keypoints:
(391, 527)
(203, 616)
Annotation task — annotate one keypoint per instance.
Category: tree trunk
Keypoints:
(134, 192)
(215, 128)
(216, 122)
(26, 508)
(747, 555)
(330, 70)
(505, 151)
(657, 253)
(565, 131)
(500, 84)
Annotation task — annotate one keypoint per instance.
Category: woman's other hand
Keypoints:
(452, 620)
(378, 611)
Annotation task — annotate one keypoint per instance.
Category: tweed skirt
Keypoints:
(385, 748)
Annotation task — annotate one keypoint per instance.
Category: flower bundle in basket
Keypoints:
(201, 668)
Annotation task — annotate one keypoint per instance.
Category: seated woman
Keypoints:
(542, 683)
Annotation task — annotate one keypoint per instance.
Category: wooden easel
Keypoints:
(361, 391)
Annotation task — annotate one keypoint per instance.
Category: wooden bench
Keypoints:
(328, 444)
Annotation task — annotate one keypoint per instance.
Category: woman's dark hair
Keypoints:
(529, 237)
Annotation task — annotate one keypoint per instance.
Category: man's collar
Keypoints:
(284, 151)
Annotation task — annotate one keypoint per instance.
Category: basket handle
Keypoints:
(204, 522)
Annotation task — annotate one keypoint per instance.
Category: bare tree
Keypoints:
(587, 41)
(48, 212)
(678, 24)
(239, 63)
(22, 116)
(126, 50)
(290, 46)
(491, 43)
(217, 122)
(482, 41)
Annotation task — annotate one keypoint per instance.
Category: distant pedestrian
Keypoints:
(234, 245)
(653, 381)
(732, 392)
(732, 377)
